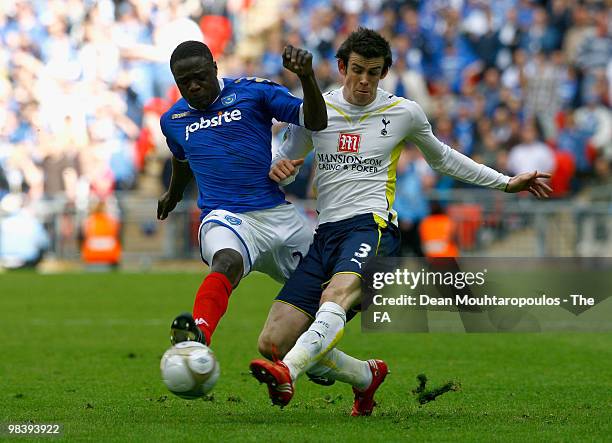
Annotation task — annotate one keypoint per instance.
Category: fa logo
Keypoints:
(385, 122)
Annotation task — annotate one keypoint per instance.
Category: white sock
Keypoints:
(337, 365)
(321, 336)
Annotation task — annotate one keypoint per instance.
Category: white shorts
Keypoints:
(271, 241)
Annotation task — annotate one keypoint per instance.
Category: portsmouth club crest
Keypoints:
(385, 122)
(233, 220)
(228, 99)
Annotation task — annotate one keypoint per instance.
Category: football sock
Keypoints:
(339, 366)
(321, 336)
(211, 303)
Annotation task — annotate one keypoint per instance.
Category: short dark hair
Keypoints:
(368, 44)
(190, 48)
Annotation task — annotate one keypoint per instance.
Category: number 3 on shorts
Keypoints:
(363, 251)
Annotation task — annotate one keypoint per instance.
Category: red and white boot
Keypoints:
(364, 400)
(278, 378)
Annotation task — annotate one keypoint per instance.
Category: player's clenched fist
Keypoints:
(297, 60)
(284, 169)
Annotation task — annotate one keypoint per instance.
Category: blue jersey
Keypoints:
(228, 145)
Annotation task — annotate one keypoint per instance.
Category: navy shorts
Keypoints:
(338, 247)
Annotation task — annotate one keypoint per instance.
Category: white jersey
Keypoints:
(356, 155)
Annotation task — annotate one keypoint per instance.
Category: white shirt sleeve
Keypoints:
(296, 144)
(444, 159)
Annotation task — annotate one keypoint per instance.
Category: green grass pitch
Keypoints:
(83, 350)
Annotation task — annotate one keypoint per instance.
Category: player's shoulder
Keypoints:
(386, 98)
(179, 110)
(402, 104)
(333, 95)
(251, 82)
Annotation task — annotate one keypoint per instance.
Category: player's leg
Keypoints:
(212, 297)
(343, 291)
(286, 322)
(284, 325)
(303, 293)
(348, 245)
(224, 248)
(289, 317)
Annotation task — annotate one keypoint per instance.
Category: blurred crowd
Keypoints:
(516, 84)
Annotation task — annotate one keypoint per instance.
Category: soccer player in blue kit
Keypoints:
(219, 133)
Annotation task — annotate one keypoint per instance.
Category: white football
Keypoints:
(189, 369)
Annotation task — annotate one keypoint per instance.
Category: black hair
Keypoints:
(190, 48)
(367, 43)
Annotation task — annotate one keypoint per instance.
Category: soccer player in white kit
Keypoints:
(356, 158)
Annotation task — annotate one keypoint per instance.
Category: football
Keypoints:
(189, 369)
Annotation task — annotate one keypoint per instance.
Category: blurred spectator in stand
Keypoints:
(487, 45)
(596, 119)
(602, 180)
(23, 240)
(319, 38)
(581, 27)
(423, 42)
(594, 53)
(326, 75)
(532, 154)
(407, 83)
(464, 128)
(4, 184)
(509, 38)
(444, 102)
(575, 141)
(501, 126)
(100, 238)
(438, 233)
(539, 35)
(513, 76)
(414, 180)
(487, 151)
(542, 92)
(489, 88)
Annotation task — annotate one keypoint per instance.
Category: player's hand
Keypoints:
(298, 61)
(165, 205)
(530, 181)
(284, 168)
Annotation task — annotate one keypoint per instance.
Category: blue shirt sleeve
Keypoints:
(283, 105)
(175, 148)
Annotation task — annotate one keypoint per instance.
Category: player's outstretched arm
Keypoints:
(299, 61)
(530, 181)
(181, 176)
(445, 160)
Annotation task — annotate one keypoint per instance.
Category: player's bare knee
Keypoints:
(229, 263)
(272, 347)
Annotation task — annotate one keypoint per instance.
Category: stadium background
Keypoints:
(82, 85)
(516, 84)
